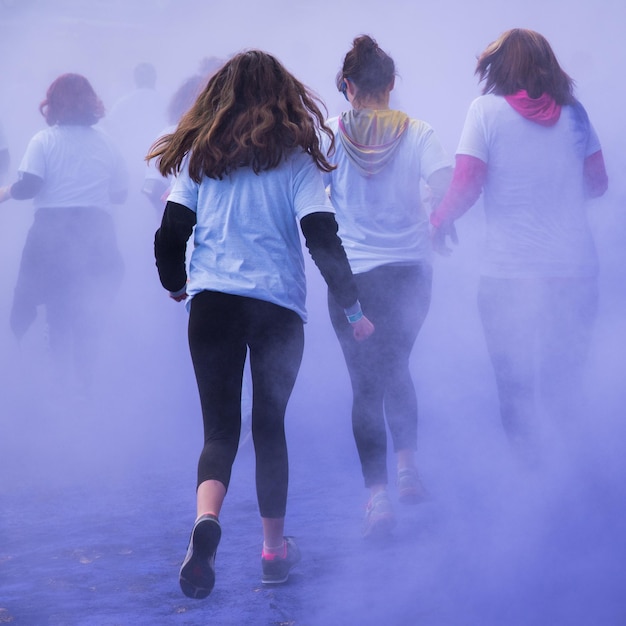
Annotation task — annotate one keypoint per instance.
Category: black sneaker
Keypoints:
(197, 573)
(276, 570)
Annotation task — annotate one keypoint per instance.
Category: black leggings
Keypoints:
(221, 329)
(396, 298)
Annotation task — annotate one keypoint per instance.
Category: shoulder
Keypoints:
(489, 110)
(578, 112)
(488, 102)
(100, 134)
(300, 168)
(333, 123)
(45, 136)
(419, 127)
(298, 159)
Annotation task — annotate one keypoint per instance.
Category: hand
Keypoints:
(362, 329)
(5, 193)
(438, 238)
(180, 297)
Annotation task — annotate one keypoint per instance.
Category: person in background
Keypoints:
(136, 118)
(248, 165)
(5, 158)
(155, 186)
(382, 157)
(70, 263)
(529, 147)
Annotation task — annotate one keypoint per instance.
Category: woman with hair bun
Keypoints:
(382, 158)
(248, 167)
(529, 147)
(71, 263)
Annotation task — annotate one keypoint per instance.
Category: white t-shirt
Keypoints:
(381, 217)
(3, 140)
(247, 238)
(79, 165)
(533, 195)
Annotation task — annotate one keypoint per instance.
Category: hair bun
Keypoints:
(365, 44)
(369, 67)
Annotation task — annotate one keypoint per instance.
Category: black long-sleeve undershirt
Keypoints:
(327, 252)
(320, 234)
(27, 187)
(170, 245)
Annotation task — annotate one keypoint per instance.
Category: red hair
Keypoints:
(70, 99)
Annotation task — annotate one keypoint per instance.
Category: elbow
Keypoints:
(596, 187)
(595, 176)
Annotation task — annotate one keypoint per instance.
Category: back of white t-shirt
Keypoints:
(533, 195)
(79, 165)
(247, 239)
(381, 217)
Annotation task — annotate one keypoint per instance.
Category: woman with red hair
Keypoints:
(71, 264)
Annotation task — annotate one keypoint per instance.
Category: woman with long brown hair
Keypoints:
(248, 166)
(529, 147)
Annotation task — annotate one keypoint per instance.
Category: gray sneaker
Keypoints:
(379, 516)
(197, 573)
(276, 570)
(410, 487)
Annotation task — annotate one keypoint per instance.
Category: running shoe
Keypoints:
(197, 573)
(379, 517)
(410, 487)
(276, 568)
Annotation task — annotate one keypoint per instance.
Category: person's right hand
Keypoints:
(438, 238)
(180, 297)
(5, 193)
(362, 329)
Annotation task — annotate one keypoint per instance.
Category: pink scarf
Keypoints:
(542, 110)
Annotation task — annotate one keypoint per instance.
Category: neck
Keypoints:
(371, 103)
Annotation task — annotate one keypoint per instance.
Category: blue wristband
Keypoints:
(355, 318)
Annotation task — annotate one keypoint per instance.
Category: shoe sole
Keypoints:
(275, 581)
(197, 575)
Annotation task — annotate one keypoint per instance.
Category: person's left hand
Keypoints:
(362, 329)
(5, 193)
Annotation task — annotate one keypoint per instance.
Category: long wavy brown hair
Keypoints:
(523, 59)
(252, 113)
